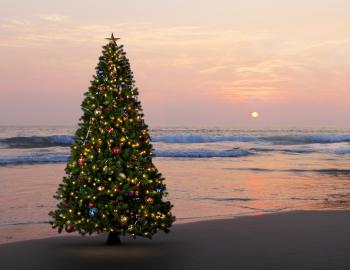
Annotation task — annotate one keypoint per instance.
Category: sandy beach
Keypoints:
(293, 240)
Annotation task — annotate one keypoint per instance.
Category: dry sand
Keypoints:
(294, 240)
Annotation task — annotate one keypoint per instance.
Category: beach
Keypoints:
(243, 199)
(211, 173)
(220, 129)
(291, 240)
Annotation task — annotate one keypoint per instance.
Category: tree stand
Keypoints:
(113, 239)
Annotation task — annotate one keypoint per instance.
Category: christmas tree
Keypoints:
(111, 184)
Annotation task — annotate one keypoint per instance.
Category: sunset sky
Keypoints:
(195, 62)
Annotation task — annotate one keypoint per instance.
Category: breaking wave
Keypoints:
(66, 140)
(37, 141)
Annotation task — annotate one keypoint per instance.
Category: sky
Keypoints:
(199, 62)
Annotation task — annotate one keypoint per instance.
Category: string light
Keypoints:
(117, 185)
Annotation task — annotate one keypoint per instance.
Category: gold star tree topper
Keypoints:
(112, 38)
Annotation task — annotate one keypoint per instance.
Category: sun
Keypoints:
(255, 114)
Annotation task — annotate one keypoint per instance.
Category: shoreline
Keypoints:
(180, 221)
(285, 240)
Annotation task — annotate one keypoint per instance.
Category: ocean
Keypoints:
(211, 172)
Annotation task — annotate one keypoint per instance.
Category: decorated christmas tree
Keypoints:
(111, 184)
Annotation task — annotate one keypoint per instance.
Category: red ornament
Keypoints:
(91, 205)
(116, 150)
(69, 228)
(139, 185)
(66, 203)
(81, 161)
(110, 129)
(149, 200)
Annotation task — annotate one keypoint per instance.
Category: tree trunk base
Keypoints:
(113, 239)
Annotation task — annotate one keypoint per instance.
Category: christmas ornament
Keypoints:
(103, 192)
(93, 212)
(132, 193)
(149, 200)
(123, 220)
(116, 150)
(98, 112)
(69, 228)
(102, 88)
(81, 161)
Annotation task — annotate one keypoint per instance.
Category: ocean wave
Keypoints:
(280, 139)
(297, 150)
(203, 153)
(67, 140)
(61, 155)
(332, 171)
(307, 139)
(33, 159)
(198, 138)
(37, 141)
(61, 158)
(342, 151)
(303, 150)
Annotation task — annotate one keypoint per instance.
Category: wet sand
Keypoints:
(292, 240)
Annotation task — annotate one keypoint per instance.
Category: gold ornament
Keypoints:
(98, 112)
(123, 220)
